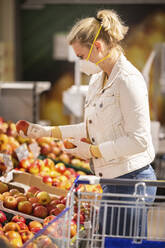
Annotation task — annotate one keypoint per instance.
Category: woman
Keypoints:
(116, 119)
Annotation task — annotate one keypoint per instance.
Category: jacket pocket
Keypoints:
(105, 102)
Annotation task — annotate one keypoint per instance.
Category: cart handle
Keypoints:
(128, 182)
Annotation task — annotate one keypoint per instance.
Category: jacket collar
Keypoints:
(115, 71)
(97, 79)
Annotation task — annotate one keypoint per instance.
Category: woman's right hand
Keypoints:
(31, 130)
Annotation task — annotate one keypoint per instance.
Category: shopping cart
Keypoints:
(127, 221)
(117, 220)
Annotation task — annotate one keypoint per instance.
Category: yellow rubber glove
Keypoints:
(95, 151)
(56, 132)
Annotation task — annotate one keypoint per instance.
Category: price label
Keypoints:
(7, 161)
(22, 152)
(35, 149)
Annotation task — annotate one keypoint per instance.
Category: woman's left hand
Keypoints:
(82, 149)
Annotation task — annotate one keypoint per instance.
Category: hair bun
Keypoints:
(112, 24)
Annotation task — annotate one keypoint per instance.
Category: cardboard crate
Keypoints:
(28, 179)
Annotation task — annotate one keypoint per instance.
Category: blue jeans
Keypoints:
(122, 218)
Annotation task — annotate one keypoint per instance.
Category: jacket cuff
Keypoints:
(76, 131)
(107, 151)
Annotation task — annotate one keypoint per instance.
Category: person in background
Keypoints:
(116, 112)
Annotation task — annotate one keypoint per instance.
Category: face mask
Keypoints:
(89, 68)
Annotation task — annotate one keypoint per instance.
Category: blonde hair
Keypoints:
(112, 32)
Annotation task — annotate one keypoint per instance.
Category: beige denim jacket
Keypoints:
(117, 119)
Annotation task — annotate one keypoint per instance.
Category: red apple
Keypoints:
(18, 195)
(33, 189)
(23, 226)
(24, 163)
(33, 200)
(81, 218)
(18, 218)
(14, 238)
(11, 234)
(56, 211)
(10, 202)
(11, 226)
(40, 212)
(2, 217)
(21, 198)
(45, 149)
(68, 173)
(48, 219)
(73, 229)
(34, 224)
(14, 192)
(35, 204)
(56, 182)
(5, 194)
(56, 150)
(43, 241)
(26, 235)
(72, 171)
(29, 195)
(48, 180)
(49, 163)
(55, 202)
(25, 207)
(65, 158)
(54, 174)
(34, 169)
(63, 201)
(60, 167)
(22, 125)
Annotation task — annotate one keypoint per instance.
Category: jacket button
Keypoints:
(90, 121)
(93, 140)
(101, 105)
(100, 174)
(103, 91)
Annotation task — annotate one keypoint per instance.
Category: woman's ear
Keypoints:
(98, 45)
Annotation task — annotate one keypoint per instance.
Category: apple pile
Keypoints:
(18, 231)
(50, 147)
(53, 149)
(34, 202)
(52, 174)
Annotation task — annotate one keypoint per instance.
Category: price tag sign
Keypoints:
(22, 152)
(35, 149)
(7, 177)
(8, 162)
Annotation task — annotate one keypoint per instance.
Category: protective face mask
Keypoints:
(89, 68)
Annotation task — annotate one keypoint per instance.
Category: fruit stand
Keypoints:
(36, 176)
